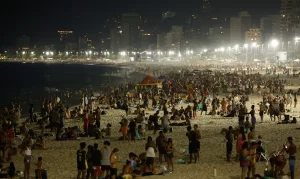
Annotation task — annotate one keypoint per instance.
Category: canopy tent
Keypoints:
(148, 81)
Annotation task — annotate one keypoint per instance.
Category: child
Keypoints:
(39, 168)
(247, 124)
(108, 131)
(141, 131)
(124, 131)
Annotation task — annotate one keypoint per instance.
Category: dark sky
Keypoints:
(40, 19)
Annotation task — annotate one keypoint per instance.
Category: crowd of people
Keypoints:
(103, 162)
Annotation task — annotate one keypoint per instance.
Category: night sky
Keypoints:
(41, 19)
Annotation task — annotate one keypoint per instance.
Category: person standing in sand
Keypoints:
(291, 149)
(105, 161)
(150, 149)
(98, 117)
(161, 145)
(132, 128)
(165, 120)
(39, 166)
(252, 164)
(114, 163)
(170, 154)
(295, 100)
(81, 161)
(244, 160)
(224, 106)
(239, 142)
(198, 136)
(229, 137)
(96, 156)
(262, 109)
(252, 114)
(27, 159)
(252, 135)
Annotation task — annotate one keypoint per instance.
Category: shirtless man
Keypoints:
(127, 169)
(161, 143)
(291, 150)
(251, 135)
(114, 163)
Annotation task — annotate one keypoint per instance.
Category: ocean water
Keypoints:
(23, 81)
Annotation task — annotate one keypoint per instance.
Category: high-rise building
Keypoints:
(270, 28)
(290, 19)
(130, 40)
(174, 38)
(161, 41)
(82, 43)
(148, 41)
(115, 39)
(245, 22)
(218, 36)
(253, 35)
(238, 27)
(235, 30)
(192, 32)
(65, 35)
(67, 41)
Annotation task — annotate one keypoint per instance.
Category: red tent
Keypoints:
(148, 81)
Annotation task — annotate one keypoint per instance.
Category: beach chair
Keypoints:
(138, 135)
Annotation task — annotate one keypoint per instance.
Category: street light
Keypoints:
(254, 45)
(236, 47)
(171, 52)
(246, 47)
(123, 54)
(274, 44)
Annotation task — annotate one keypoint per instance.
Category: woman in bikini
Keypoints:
(170, 154)
(240, 141)
(244, 160)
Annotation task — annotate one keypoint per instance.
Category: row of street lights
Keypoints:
(274, 43)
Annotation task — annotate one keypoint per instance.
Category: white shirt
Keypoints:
(150, 152)
(165, 120)
(28, 152)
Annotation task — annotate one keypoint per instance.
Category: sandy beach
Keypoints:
(60, 157)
